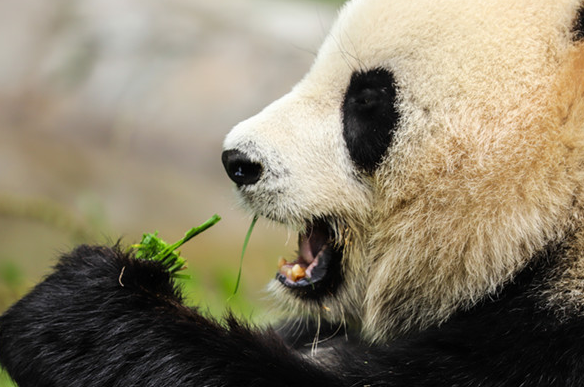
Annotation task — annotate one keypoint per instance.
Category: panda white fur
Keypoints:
(432, 163)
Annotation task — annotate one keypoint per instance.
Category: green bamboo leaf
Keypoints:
(153, 248)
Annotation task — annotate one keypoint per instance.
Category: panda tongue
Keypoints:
(305, 254)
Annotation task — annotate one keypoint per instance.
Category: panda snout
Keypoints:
(240, 168)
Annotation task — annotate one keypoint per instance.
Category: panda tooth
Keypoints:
(281, 262)
(298, 272)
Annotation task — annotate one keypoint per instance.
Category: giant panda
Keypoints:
(432, 164)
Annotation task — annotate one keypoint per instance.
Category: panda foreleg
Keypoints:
(103, 318)
(513, 339)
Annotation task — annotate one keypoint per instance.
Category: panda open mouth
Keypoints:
(317, 268)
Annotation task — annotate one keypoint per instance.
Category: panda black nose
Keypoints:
(240, 168)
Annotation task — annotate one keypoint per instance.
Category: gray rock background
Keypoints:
(112, 115)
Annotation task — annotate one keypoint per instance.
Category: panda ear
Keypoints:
(578, 26)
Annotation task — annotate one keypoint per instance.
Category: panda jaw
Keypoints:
(319, 262)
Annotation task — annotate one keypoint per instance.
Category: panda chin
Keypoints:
(317, 270)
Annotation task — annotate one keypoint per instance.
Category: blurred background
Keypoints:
(112, 116)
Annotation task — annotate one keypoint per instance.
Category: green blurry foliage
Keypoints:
(12, 283)
(211, 290)
(5, 380)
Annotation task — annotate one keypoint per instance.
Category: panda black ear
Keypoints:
(578, 26)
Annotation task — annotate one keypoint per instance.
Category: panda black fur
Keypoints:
(432, 163)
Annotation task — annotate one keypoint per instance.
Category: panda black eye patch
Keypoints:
(578, 25)
(369, 117)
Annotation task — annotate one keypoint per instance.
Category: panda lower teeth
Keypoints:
(293, 271)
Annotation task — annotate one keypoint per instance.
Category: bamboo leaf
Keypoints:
(153, 248)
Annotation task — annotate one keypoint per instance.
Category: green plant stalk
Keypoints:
(193, 232)
(245, 242)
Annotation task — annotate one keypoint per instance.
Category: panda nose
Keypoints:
(240, 168)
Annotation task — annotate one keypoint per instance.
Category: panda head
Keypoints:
(433, 148)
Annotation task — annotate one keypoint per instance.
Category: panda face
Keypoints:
(419, 160)
(305, 180)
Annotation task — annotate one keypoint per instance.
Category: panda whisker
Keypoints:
(344, 323)
(323, 29)
(306, 50)
(355, 56)
(297, 327)
(314, 348)
(334, 334)
(346, 55)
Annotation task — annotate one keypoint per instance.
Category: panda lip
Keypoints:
(315, 263)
